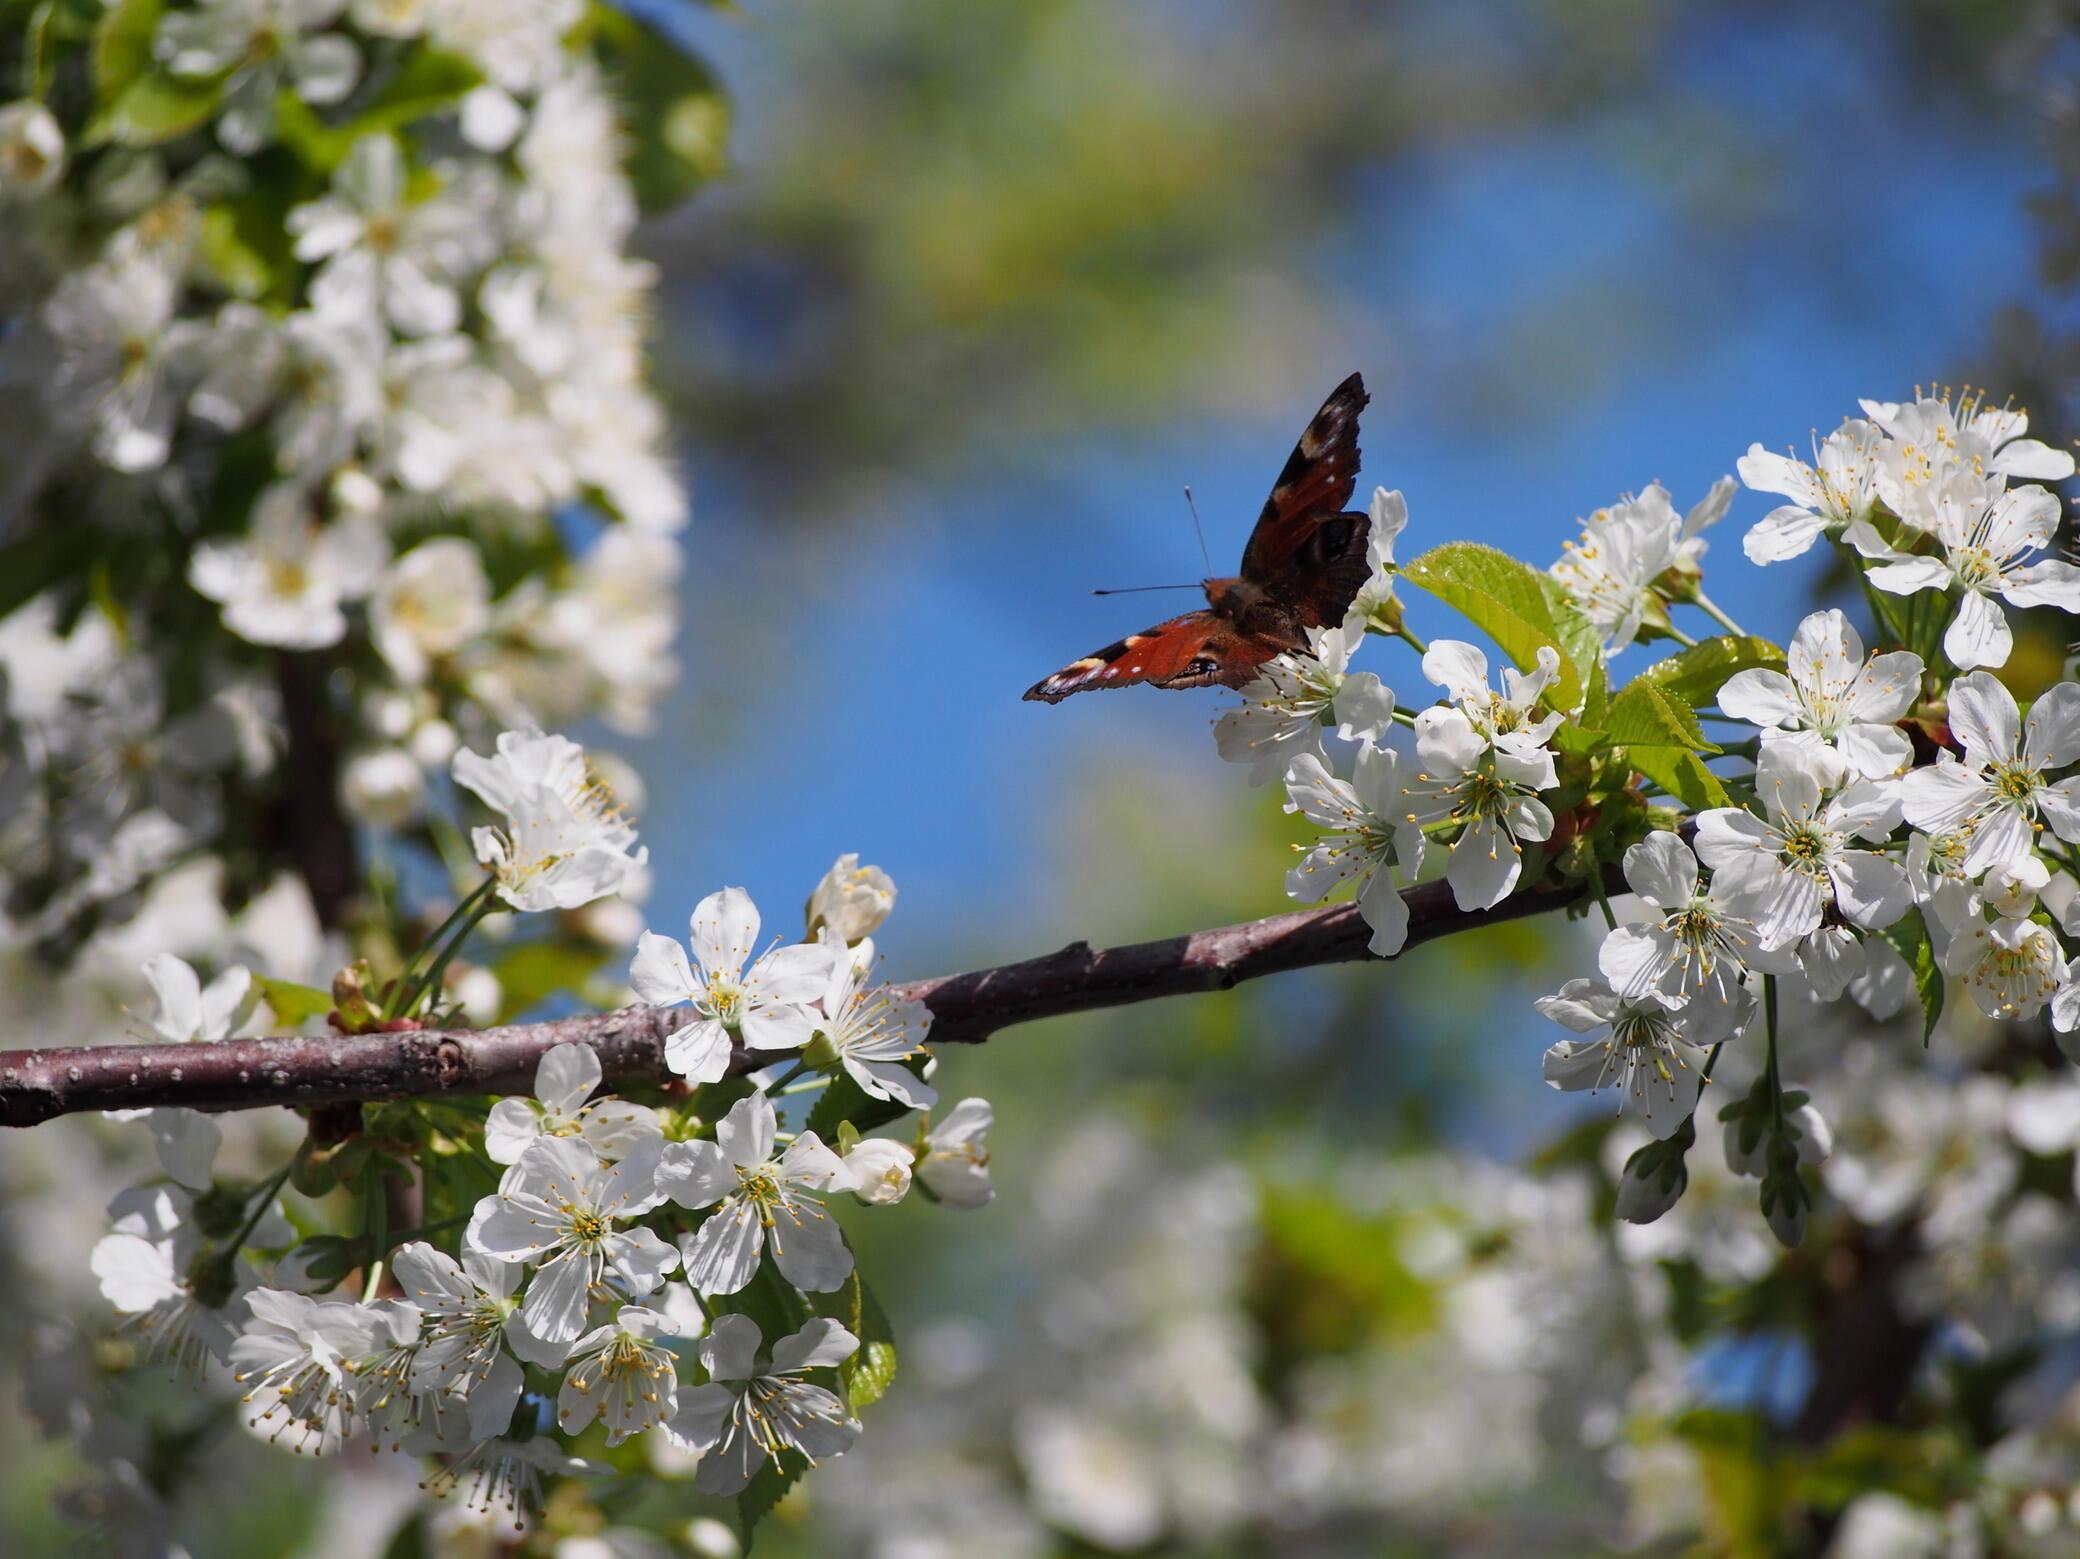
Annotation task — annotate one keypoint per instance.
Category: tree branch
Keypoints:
(305, 1070)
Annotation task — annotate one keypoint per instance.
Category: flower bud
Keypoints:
(32, 149)
(1784, 1204)
(877, 1171)
(853, 900)
(1654, 1181)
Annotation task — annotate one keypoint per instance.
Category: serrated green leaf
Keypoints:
(844, 1100)
(1696, 675)
(870, 1372)
(1645, 715)
(678, 118)
(1680, 773)
(1908, 936)
(292, 1004)
(1511, 602)
(1579, 738)
(768, 1486)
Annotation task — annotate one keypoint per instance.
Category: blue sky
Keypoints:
(885, 716)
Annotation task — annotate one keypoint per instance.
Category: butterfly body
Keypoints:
(1305, 562)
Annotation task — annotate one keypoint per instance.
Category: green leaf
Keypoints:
(1696, 675)
(1682, 774)
(844, 1100)
(870, 1372)
(768, 1486)
(429, 81)
(677, 117)
(531, 972)
(1644, 714)
(291, 1003)
(41, 62)
(1514, 604)
(123, 47)
(1908, 937)
(153, 108)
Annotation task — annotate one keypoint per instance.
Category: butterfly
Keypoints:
(1305, 562)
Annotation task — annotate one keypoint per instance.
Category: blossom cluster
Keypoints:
(322, 339)
(1896, 818)
(669, 1267)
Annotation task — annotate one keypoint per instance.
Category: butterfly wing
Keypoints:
(1195, 650)
(1306, 553)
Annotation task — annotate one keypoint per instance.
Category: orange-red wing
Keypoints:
(1195, 650)
(1317, 481)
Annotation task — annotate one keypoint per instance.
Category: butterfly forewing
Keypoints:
(1198, 649)
(1305, 562)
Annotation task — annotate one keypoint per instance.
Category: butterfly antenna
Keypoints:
(1204, 556)
(1140, 589)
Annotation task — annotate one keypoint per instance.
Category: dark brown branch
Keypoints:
(238, 1074)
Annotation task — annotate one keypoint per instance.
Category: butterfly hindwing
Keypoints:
(1198, 649)
(1318, 480)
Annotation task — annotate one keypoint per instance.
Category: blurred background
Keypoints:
(1320, 1266)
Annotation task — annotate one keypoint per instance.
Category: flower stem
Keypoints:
(1769, 1022)
(375, 1281)
(261, 1203)
(1412, 639)
(1680, 637)
(788, 1076)
(469, 913)
(1710, 608)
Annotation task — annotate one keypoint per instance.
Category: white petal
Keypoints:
(660, 974)
(1662, 870)
(1978, 635)
(821, 1344)
(1761, 697)
(722, 1254)
(565, 1077)
(725, 930)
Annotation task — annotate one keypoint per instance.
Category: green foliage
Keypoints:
(1908, 936)
(136, 102)
(677, 117)
(531, 972)
(428, 81)
(292, 1004)
(1696, 675)
(869, 1373)
(845, 1101)
(1644, 714)
(1521, 608)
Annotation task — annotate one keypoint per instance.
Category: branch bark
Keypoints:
(306, 1070)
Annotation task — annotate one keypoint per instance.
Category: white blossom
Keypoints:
(954, 1164)
(258, 46)
(1611, 573)
(1369, 836)
(621, 1375)
(292, 1359)
(877, 1171)
(1936, 450)
(1389, 514)
(1786, 868)
(430, 603)
(1699, 950)
(870, 1031)
(1504, 719)
(472, 1338)
(1996, 795)
(749, 1411)
(564, 1079)
(1986, 545)
(32, 148)
(1642, 1048)
(766, 1005)
(851, 899)
(283, 583)
(761, 1203)
(566, 841)
(1490, 793)
(1833, 698)
(384, 788)
(1834, 493)
(1281, 713)
(188, 1012)
(557, 1209)
(116, 340)
(385, 254)
(2012, 967)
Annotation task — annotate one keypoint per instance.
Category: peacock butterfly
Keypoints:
(1305, 562)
